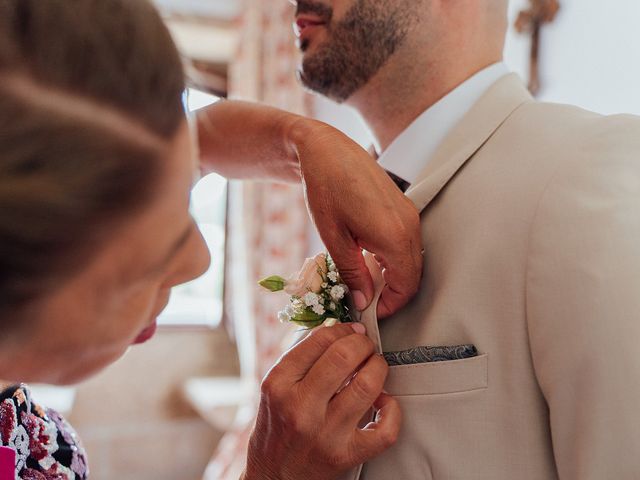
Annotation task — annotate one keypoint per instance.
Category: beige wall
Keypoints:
(133, 419)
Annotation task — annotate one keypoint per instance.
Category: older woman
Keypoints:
(95, 173)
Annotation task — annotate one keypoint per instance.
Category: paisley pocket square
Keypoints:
(418, 355)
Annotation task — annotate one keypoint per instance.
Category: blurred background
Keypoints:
(181, 406)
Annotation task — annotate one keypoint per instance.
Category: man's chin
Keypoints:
(319, 88)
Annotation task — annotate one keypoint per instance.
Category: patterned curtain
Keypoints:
(272, 234)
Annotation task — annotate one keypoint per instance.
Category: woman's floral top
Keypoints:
(46, 446)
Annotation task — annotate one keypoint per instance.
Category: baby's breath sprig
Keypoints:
(317, 294)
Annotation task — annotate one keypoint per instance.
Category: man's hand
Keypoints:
(308, 424)
(351, 199)
(355, 206)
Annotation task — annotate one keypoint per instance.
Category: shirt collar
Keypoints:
(410, 152)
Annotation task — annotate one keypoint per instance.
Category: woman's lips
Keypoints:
(150, 331)
(146, 334)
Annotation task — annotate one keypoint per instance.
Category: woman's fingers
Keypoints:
(299, 360)
(400, 258)
(303, 425)
(353, 401)
(380, 434)
(364, 394)
(347, 254)
(336, 365)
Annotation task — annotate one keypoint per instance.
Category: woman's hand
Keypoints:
(352, 201)
(304, 428)
(355, 205)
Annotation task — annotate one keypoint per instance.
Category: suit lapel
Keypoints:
(478, 125)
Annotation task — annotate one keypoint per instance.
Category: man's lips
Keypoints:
(305, 22)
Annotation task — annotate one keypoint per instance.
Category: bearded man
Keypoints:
(530, 225)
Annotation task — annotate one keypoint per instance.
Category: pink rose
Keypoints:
(310, 277)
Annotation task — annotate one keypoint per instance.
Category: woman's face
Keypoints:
(113, 303)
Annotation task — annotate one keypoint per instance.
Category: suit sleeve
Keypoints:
(583, 310)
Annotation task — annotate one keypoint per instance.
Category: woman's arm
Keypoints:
(352, 201)
(242, 140)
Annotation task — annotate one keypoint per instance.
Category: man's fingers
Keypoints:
(382, 433)
(353, 401)
(335, 366)
(299, 360)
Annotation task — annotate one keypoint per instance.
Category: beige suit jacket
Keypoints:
(531, 229)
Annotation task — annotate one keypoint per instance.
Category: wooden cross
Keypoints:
(531, 21)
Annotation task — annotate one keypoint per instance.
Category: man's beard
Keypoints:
(356, 47)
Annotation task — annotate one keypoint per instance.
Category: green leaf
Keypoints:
(308, 318)
(274, 283)
(308, 325)
(308, 315)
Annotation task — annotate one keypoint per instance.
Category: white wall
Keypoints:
(224, 10)
(590, 58)
(590, 55)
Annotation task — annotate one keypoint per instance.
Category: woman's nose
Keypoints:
(194, 262)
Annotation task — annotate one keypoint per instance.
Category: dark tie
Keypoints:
(402, 184)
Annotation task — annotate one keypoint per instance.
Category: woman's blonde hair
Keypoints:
(90, 95)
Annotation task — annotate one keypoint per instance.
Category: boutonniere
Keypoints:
(318, 295)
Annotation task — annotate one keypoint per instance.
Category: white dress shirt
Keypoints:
(409, 153)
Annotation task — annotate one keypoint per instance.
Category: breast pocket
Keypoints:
(437, 378)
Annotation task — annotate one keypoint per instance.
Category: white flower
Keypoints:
(333, 276)
(289, 310)
(330, 322)
(337, 292)
(311, 299)
(284, 317)
(325, 284)
(318, 309)
(332, 266)
(332, 306)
